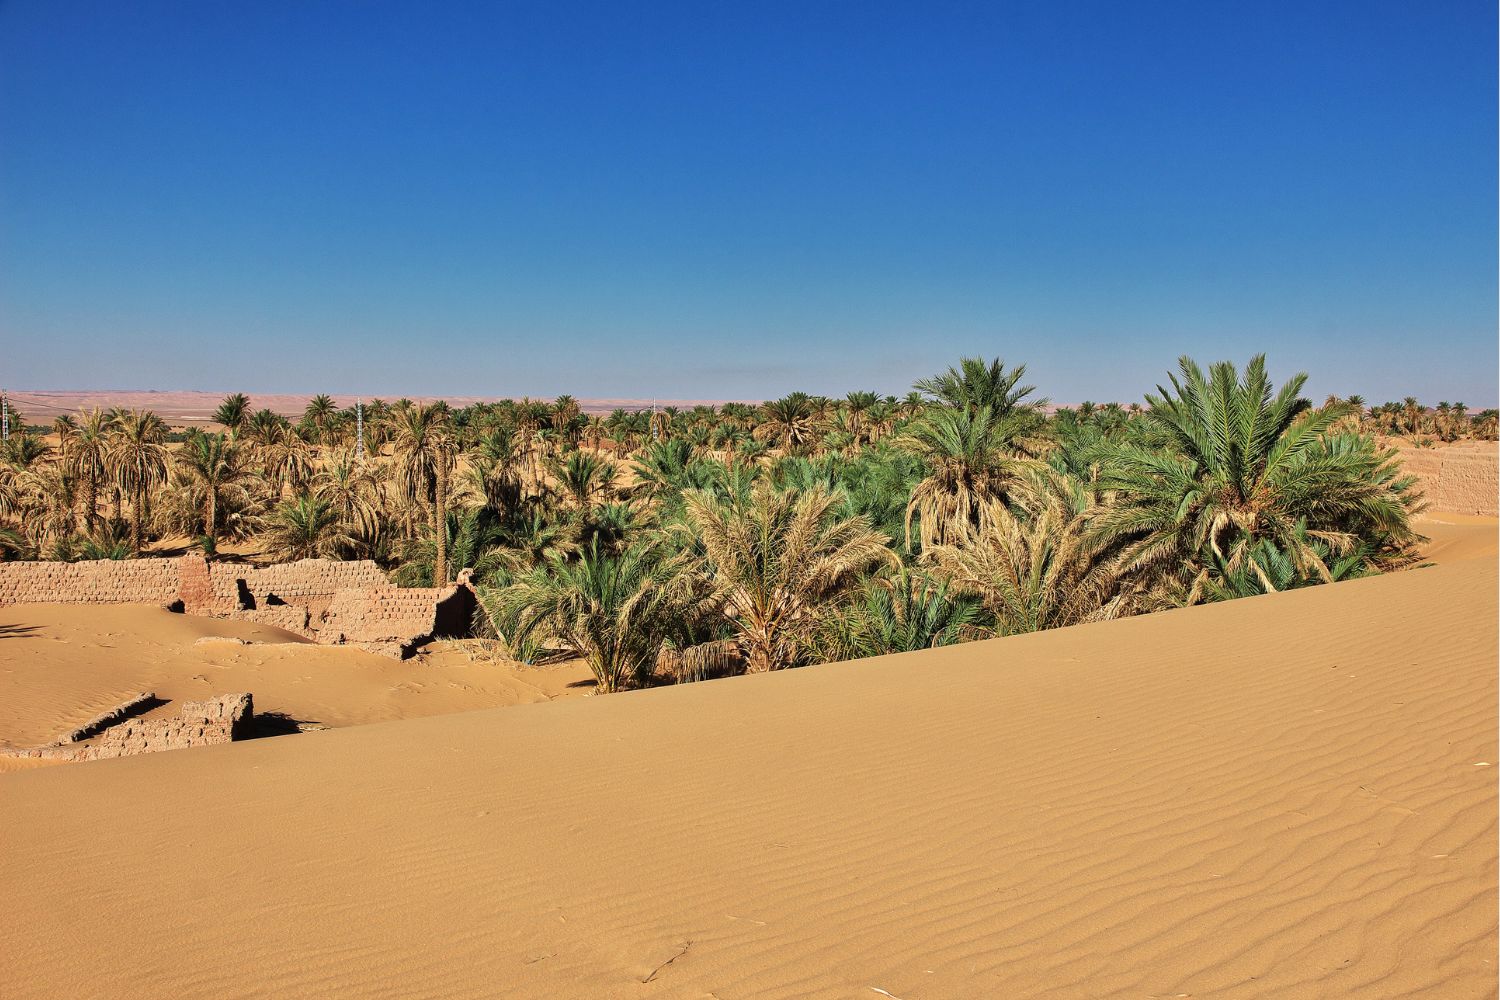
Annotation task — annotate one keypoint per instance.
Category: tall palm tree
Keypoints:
(776, 560)
(425, 456)
(787, 421)
(87, 461)
(1240, 463)
(585, 479)
(971, 455)
(976, 384)
(66, 429)
(319, 415)
(350, 486)
(138, 462)
(232, 413)
(48, 502)
(214, 464)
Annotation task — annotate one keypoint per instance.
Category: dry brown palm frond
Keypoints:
(1033, 563)
(775, 559)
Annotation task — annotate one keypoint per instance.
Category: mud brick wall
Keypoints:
(104, 581)
(308, 582)
(384, 620)
(199, 723)
(290, 617)
(1458, 480)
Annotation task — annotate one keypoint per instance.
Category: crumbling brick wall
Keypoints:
(308, 582)
(104, 581)
(198, 723)
(382, 620)
(322, 599)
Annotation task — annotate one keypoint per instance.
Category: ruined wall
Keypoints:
(308, 582)
(198, 723)
(383, 620)
(1457, 479)
(105, 581)
(322, 599)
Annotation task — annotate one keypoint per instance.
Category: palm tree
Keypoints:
(776, 559)
(305, 527)
(348, 485)
(319, 416)
(788, 421)
(907, 612)
(213, 464)
(585, 479)
(614, 611)
(48, 502)
(233, 412)
(87, 462)
(1239, 464)
(1033, 562)
(976, 384)
(137, 460)
(971, 456)
(23, 450)
(425, 456)
(66, 429)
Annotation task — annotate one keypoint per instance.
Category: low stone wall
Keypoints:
(308, 582)
(199, 723)
(104, 581)
(1457, 479)
(392, 621)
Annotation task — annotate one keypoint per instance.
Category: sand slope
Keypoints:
(1276, 797)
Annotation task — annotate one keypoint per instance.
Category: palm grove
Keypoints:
(680, 544)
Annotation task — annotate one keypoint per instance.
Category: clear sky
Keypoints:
(705, 200)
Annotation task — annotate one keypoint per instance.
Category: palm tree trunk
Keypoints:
(86, 503)
(211, 516)
(136, 513)
(440, 564)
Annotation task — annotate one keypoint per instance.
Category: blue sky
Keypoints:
(731, 201)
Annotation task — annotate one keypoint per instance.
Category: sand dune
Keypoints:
(1452, 537)
(1286, 796)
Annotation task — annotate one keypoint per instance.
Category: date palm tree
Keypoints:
(776, 560)
(137, 459)
(66, 429)
(1033, 562)
(976, 384)
(1240, 463)
(305, 527)
(971, 456)
(907, 612)
(232, 413)
(425, 454)
(319, 416)
(214, 465)
(584, 479)
(614, 611)
(87, 461)
(787, 421)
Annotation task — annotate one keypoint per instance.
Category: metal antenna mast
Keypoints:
(359, 429)
(4, 416)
